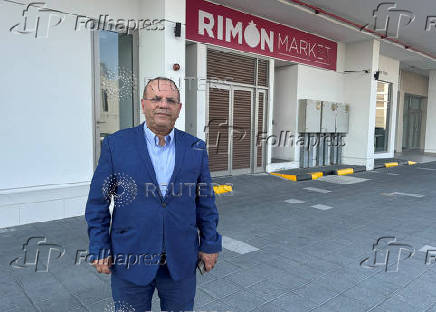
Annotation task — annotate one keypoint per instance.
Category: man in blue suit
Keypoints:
(164, 219)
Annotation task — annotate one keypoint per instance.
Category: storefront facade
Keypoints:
(243, 78)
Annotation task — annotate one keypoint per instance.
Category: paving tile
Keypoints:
(202, 298)
(220, 288)
(217, 306)
(271, 288)
(268, 307)
(223, 268)
(206, 277)
(395, 304)
(58, 302)
(338, 304)
(293, 302)
(243, 301)
(246, 278)
(244, 261)
(316, 293)
(418, 295)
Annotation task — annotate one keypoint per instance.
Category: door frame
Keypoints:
(254, 108)
(234, 88)
(210, 85)
(259, 91)
(409, 97)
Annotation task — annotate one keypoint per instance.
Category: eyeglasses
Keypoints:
(159, 99)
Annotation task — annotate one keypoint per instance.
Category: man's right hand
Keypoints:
(103, 265)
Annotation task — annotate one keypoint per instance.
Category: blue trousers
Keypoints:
(175, 296)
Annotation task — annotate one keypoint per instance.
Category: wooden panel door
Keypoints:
(217, 129)
(241, 134)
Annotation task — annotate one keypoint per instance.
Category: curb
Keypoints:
(221, 189)
(299, 177)
(345, 171)
(338, 172)
(395, 164)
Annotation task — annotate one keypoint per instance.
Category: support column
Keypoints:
(160, 49)
(360, 93)
(195, 89)
(430, 133)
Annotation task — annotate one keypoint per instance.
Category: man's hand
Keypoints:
(208, 259)
(103, 265)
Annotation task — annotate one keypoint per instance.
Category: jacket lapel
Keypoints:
(180, 155)
(141, 145)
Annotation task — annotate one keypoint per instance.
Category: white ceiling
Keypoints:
(358, 11)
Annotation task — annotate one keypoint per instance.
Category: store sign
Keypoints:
(215, 24)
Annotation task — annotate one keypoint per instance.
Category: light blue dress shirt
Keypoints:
(162, 157)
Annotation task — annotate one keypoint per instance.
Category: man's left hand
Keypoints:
(208, 259)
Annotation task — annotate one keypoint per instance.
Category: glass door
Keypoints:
(115, 73)
(382, 116)
(412, 122)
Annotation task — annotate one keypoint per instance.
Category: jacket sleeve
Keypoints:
(207, 213)
(97, 213)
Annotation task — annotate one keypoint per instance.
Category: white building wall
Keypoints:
(190, 91)
(430, 136)
(195, 88)
(160, 50)
(360, 93)
(285, 108)
(47, 104)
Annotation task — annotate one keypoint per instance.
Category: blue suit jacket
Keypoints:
(141, 216)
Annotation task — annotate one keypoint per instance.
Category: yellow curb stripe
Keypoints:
(391, 164)
(316, 175)
(221, 189)
(345, 171)
(291, 177)
(410, 163)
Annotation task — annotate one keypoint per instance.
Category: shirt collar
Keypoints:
(152, 137)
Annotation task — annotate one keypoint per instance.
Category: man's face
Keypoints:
(161, 107)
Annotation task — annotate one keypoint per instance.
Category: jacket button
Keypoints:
(164, 205)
